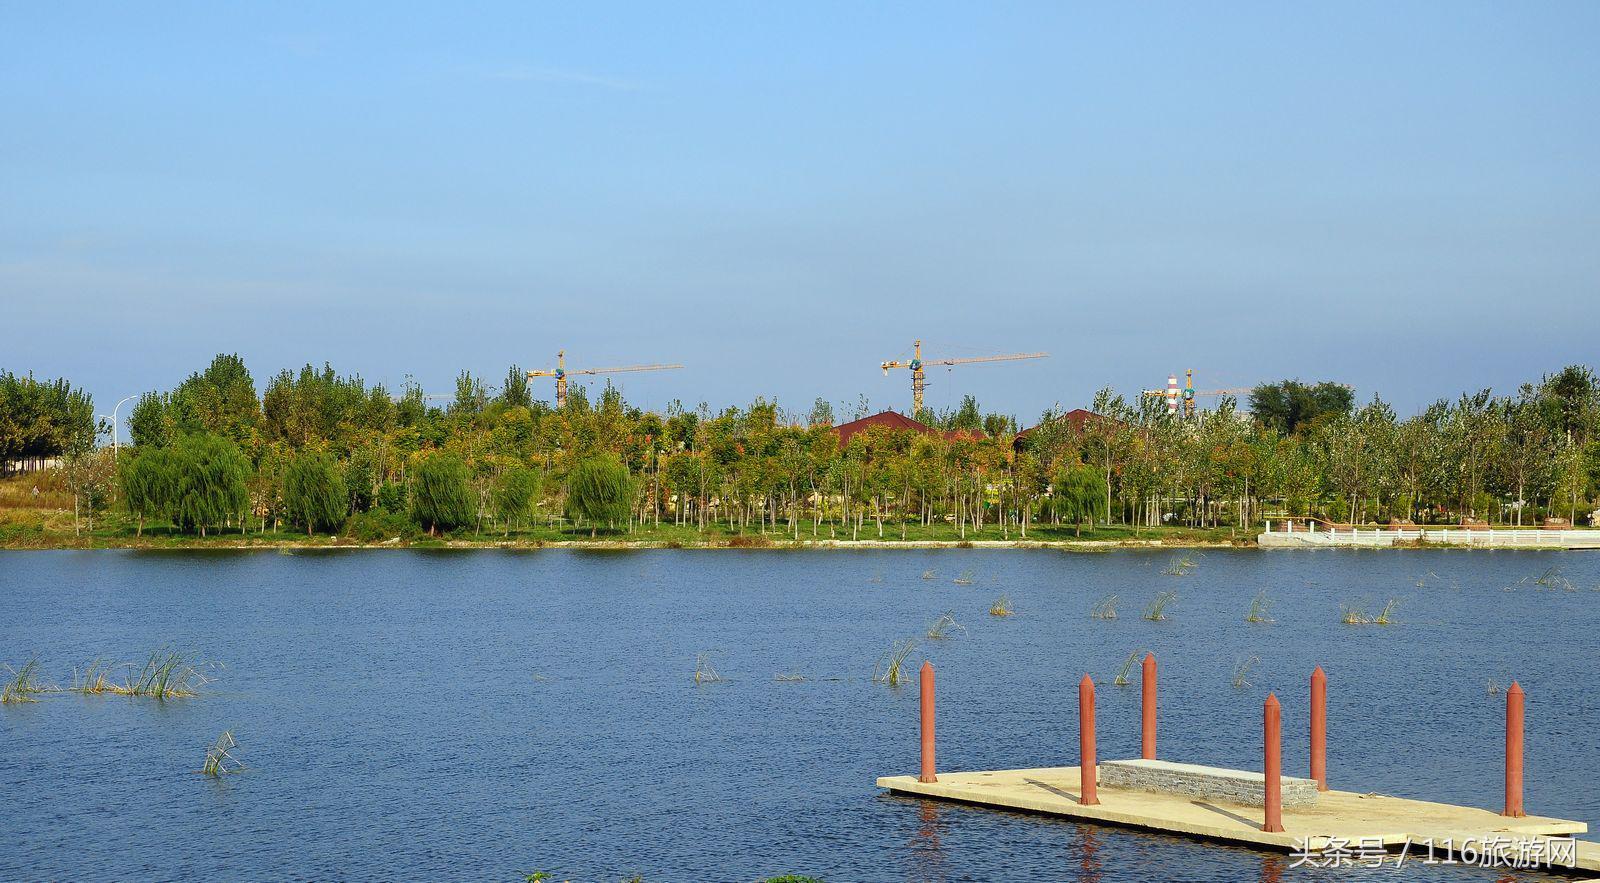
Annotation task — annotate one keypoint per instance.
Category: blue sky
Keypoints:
(1401, 196)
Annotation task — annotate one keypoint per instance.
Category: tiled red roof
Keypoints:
(896, 420)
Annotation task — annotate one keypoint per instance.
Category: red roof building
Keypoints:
(895, 420)
(1077, 418)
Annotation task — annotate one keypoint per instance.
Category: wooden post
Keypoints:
(1272, 732)
(1514, 700)
(1086, 774)
(1319, 728)
(927, 774)
(1147, 741)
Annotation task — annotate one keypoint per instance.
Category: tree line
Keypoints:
(323, 452)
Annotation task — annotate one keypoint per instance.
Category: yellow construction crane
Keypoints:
(1188, 393)
(561, 373)
(917, 364)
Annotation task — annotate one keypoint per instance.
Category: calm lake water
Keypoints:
(479, 715)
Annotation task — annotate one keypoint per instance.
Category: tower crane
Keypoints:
(918, 375)
(1188, 393)
(561, 374)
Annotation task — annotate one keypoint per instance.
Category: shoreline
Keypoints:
(759, 544)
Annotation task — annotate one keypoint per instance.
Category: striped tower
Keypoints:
(1172, 393)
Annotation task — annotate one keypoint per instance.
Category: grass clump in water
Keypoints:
(928, 574)
(22, 684)
(1260, 608)
(1179, 566)
(94, 680)
(1241, 671)
(704, 671)
(1001, 607)
(219, 759)
(1105, 608)
(789, 677)
(1156, 610)
(1121, 680)
(1355, 613)
(167, 674)
(965, 579)
(945, 626)
(891, 666)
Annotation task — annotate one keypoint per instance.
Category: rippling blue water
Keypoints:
(478, 715)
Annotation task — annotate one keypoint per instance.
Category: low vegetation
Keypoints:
(1260, 608)
(1242, 669)
(1001, 607)
(1156, 610)
(220, 760)
(891, 666)
(945, 626)
(1121, 680)
(1105, 608)
(1358, 613)
(22, 684)
(704, 671)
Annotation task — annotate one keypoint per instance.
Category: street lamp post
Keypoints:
(114, 447)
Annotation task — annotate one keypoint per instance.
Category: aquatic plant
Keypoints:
(167, 674)
(219, 759)
(1156, 610)
(1260, 606)
(891, 666)
(1179, 566)
(1001, 606)
(928, 574)
(1422, 581)
(965, 579)
(945, 626)
(1121, 680)
(1355, 613)
(1241, 671)
(1105, 608)
(786, 677)
(94, 679)
(22, 683)
(704, 671)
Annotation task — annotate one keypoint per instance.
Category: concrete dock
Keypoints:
(1336, 816)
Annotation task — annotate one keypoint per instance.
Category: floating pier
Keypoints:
(1247, 808)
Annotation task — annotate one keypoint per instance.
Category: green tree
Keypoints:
(441, 496)
(514, 494)
(314, 493)
(1289, 405)
(599, 490)
(1078, 493)
(147, 484)
(515, 393)
(208, 482)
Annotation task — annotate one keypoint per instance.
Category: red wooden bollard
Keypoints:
(1272, 732)
(1319, 728)
(1147, 733)
(1086, 773)
(1514, 700)
(926, 685)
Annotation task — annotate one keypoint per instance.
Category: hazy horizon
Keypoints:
(1402, 197)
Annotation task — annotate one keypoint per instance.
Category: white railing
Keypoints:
(1500, 538)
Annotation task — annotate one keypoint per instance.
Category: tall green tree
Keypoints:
(515, 492)
(147, 481)
(600, 491)
(441, 495)
(1078, 494)
(314, 494)
(208, 482)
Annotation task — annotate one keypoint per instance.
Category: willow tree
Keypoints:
(314, 493)
(208, 474)
(599, 489)
(440, 496)
(147, 484)
(1078, 495)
